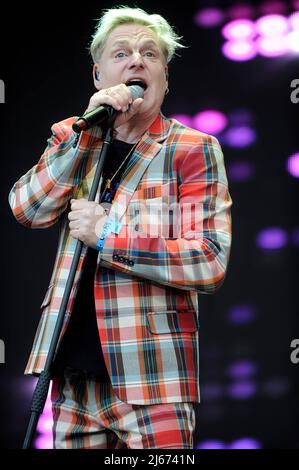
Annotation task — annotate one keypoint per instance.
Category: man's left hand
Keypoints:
(86, 221)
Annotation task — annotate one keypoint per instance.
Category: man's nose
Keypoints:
(137, 60)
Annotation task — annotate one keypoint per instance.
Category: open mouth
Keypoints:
(138, 82)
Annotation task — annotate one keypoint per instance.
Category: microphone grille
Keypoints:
(137, 91)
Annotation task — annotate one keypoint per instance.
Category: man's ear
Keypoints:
(96, 77)
(166, 77)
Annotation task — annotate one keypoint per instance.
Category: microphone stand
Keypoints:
(42, 387)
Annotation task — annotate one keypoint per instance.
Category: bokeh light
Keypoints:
(293, 165)
(239, 50)
(271, 35)
(239, 29)
(294, 20)
(273, 6)
(241, 443)
(44, 442)
(241, 11)
(211, 444)
(241, 369)
(272, 46)
(241, 117)
(209, 17)
(292, 41)
(45, 425)
(183, 119)
(240, 136)
(240, 171)
(210, 121)
(272, 238)
(241, 314)
(245, 443)
(272, 25)
(242, 390)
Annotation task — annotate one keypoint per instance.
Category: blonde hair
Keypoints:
(120, 15)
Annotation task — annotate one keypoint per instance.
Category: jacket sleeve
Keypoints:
(197, 259)
(41, 195)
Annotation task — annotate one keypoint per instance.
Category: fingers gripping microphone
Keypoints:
(105, 112)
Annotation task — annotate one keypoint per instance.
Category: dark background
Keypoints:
(47, 73)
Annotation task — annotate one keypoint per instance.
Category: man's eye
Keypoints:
(119, 55)
(149, 54)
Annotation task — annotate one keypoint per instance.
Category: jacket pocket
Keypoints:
(172, 321)
(48, 296)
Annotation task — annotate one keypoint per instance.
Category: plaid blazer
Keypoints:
(149, 274)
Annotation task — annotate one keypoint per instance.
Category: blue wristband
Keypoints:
(109, 226)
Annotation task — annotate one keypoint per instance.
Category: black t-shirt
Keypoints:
(80, 347)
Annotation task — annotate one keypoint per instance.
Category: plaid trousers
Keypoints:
(88, 415)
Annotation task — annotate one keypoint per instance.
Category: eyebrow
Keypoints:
(124, 42)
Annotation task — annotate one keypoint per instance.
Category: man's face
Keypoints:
(133, 51)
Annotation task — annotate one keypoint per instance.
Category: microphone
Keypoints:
(105, 112)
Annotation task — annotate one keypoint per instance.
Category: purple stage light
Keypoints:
(272, 46)
(240, 136)
(45, 425)
(239, 50)
(292, 40)
(239, 30)
(241, 369)
(245, 443)
(241, 11)
(273, 6)
(272, 238)
(242, 390)
(241, 118)
(240, 172)
(296, 4)
(241, 314)
(209, 17)
(294, 20)
(183, 119)
(293, 165)
(43, 442)
(210, 121)
(211, 444)
(272, 25)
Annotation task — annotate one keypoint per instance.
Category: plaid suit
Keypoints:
(149, 274)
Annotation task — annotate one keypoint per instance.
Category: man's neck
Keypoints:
(133, 130)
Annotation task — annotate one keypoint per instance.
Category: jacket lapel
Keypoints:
(147, 148)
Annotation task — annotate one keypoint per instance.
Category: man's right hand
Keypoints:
(120, 98)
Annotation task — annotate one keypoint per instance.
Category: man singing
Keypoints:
(126, 370)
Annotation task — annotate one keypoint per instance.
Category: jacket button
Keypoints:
(131, 262)
(115, 257)
(121, 259)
